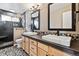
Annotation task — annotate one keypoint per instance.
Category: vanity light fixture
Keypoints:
(36, 7)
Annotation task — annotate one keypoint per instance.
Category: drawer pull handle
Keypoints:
(32, 48)
(32, 42)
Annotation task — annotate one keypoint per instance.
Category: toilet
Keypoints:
(18, 43)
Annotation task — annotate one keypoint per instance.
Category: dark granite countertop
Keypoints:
(72, 50)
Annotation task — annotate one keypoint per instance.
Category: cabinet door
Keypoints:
(42, 52)
(51, 51)
(58, 52)
(27, 46)
(55, 52)
(22, 44)
(33, 48)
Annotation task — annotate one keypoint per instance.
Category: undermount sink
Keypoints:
(30, 33)
(63, 40)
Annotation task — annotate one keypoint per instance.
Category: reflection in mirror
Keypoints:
(67, 19)
(61, 16)
(35, 16)
(36, 23)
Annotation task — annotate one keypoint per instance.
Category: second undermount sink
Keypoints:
(30, 33)
(63, 40)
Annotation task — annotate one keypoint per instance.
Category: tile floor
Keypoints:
(12, 51)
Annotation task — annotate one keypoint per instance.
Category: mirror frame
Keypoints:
(33, 18)
(73, 19)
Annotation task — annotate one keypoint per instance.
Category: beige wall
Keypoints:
(44, 19)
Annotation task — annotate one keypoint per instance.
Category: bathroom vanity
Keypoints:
(34, 45)
(61, 17)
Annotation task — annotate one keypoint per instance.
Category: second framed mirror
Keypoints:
(35, 18)
(61, 16)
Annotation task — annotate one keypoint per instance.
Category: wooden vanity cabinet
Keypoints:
(51, 51)
(22, 44)
(32, 53)
(55, 52)
(33, 42)
(41, 52)
(42, 49)
(33, 47)
(25, 44)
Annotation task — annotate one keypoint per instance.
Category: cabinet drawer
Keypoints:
(32, 54)
(41, 52)
(33, 42)
(27, 39)
(43, 46)
(33, 48)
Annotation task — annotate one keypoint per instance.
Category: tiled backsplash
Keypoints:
(74, 36)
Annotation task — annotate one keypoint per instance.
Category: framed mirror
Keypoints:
(35, 17)
(61, 16)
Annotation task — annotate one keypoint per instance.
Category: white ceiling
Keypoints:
(17, 7)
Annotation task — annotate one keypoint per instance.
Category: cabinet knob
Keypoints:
(32, 48)
(46, 55)
(51, 55)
